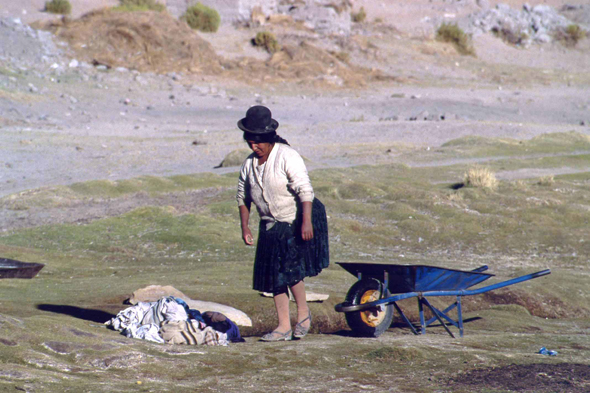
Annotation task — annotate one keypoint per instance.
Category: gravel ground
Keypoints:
(64, 121)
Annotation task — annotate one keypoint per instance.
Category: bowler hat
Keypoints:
(258, 120)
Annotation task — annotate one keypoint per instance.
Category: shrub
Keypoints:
(478, 177)
(202, 18)
(571, 35)
(546, 180)
(510, 36)
(453, 34)
(140, 5)
(58, 7)
(267, 41)
(359, 16)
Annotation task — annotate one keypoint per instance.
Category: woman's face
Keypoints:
(261, 149)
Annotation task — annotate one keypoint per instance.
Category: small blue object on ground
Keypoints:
(545, 351)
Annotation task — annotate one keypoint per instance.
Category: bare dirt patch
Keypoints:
(145, 41)
(157, 42)
(540, 377)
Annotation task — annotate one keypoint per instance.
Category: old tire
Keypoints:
(371, 322)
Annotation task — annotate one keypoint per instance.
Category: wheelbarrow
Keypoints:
(369, 304)
(9, 268)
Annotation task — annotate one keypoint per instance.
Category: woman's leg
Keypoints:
(282, 306)
(298, 291)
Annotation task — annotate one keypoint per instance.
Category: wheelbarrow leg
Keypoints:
(436, 314)
(399, 310)
(459, 316)
(422, 321)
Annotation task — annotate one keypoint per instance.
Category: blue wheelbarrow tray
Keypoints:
(370, 301)
(9, 268)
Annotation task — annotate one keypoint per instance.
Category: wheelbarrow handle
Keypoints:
(469, 292)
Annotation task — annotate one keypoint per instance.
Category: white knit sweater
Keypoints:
(285, 179)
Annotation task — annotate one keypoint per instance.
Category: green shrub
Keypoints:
(359, 16)
(58, 7)
(140, 5)
(267, 41)
(202, 18)
(453, 34)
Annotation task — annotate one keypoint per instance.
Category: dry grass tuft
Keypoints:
(360, 16)
(480, 177)
(546, 180)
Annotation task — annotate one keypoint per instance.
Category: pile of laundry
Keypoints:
(170, 320)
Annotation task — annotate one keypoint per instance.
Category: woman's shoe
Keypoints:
(300, 330)
(277, 336)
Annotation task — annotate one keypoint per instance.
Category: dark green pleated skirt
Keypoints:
(283, 258)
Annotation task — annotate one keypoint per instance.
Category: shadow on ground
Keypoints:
(87, 314)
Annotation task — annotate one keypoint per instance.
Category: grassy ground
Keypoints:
(51, 332)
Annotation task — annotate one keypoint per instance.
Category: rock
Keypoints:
(154, 292)
(238, 317)
(74, 63)
(485, 4)
(257, 17)
(520, 27)
(323, 18)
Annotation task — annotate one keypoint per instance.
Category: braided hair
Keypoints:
(269, 137)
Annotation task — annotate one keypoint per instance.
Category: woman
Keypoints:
(293, 232)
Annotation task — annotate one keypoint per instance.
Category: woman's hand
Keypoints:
(244, 218)
(247, 236)
(306, 227)
(306, 230)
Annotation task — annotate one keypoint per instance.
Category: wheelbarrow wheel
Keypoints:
(372, 322)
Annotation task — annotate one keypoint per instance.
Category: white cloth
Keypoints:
(145, 319)
(285, 180)
(148, 332)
